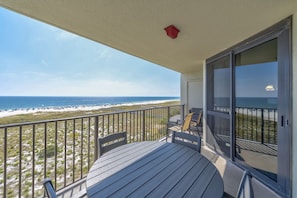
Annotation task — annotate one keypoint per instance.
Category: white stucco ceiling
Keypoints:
(137, 26)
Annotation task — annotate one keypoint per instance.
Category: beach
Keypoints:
(37, 114)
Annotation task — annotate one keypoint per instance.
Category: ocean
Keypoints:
(10, 105)
(248, 102)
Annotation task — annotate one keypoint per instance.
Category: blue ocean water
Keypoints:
(41, 102)
(266, 103)
(248, 102)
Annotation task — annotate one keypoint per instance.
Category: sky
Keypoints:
(37, 59)
(257, 80)
(254, 80)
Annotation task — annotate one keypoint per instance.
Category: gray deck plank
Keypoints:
(110, 166)
(152, 171)
(132, 172)
(155, 182)
(201, 183)
(216, 181)
(128, 170)
(188, 178)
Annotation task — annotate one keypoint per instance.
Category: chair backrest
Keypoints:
(199, 119)
(191, 141)
(187, 122)
(49, 188)
(245, 189)
(111, 141)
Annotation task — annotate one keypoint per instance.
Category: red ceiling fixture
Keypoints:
(171, 31)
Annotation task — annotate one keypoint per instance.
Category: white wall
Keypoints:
(195, 81)
(294, 121)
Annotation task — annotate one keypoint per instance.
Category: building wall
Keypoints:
(192, 89)
(294, 121)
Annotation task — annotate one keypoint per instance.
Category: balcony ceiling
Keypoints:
(137, 26)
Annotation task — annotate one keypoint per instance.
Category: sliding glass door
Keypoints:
(256, 108)
(249, 105)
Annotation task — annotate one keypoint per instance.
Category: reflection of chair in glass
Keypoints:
(189, 140)
(245, 188)
(112, 141)
(177, 126)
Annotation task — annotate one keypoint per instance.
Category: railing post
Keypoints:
(262, 126)
(143, 126)
(182, 112)
(96, 138)
(168, 114)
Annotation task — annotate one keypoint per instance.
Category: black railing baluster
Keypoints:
(33, 159)
(5, 163)
(89, 141)
(45, 149)
(56, 152)
(81, 147)
(96, 147)
(143, 126)
(73, 150)
(20, 160)
(65, 151)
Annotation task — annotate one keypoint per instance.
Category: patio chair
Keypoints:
(197, 122)
(245, 188)
(111, 141)
(189, 140)
(51, 192)
(178, 126)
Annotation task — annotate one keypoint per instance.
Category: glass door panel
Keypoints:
(218, 105)
(256, 107)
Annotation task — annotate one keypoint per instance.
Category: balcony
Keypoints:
(65, 149)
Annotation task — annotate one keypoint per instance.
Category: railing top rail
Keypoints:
(81, 117)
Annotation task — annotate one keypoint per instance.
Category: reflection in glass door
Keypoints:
(256, 107)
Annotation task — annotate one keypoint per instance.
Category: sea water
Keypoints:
(11, 105)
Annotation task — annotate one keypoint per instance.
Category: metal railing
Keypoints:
(256, 124)
(65, 149)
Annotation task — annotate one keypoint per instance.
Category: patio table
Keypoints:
(153, 169)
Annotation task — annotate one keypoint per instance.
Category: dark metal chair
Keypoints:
(111, 141)
(245, 189)
(51, 192)
(49, 188)
(186, 139)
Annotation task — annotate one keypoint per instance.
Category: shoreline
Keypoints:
(27, 115)
(14, 112)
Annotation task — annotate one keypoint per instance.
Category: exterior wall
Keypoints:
(192, 87)
(294, 121)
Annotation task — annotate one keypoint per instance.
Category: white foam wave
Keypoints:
(12, 112)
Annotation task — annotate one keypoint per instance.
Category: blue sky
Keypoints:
(257, 80)
(37, 59)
